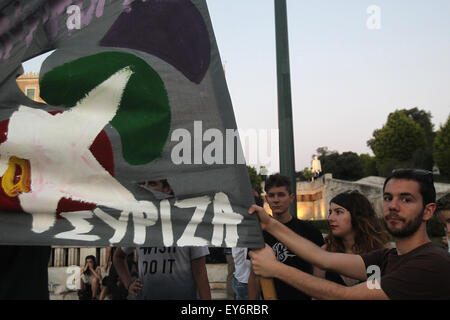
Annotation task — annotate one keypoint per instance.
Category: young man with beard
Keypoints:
(279, 197)
(416, 269)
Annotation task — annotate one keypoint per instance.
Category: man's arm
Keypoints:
(120, 263)
(265, 264)
(326, 290)
(317, 272)
(107, 256)
(346, 264)
(201, 278)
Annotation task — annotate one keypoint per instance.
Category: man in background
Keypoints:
(175, 273)
(279, 197)
(443, 213)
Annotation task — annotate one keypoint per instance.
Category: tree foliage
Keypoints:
(423, 158)
(423, 119)
(328, 160)
(407, 139)
(350, 167)
(442, 149)
(255, 179)
(307, 174)
(400, 142)
(345, 166)
(369, 165)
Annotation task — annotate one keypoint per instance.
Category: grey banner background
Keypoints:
(208, 102)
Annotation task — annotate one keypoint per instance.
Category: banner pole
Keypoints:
(268, 288)
(285, 119)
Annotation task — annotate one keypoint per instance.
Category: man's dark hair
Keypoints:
(423, 177)
(443, 203)
(165, 183)
(277, 180)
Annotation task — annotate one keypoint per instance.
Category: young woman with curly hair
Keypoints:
(354, 228)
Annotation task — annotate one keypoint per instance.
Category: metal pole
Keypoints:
(286, 139)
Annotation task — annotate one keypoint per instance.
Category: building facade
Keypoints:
(28, 83)
(313, 198)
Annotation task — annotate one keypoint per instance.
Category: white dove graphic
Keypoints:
(62, 166)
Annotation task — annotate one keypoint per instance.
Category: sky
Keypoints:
(350, 67)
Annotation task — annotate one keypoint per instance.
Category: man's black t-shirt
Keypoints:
(284, 255)
(24, 272)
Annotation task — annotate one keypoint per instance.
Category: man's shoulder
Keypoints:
(432, 252)
(419, 274)
(429, 254)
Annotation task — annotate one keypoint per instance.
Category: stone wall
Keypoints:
(373, 192)
(313, 198)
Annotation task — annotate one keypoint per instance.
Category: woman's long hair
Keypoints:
(369, 231)
(88, 272)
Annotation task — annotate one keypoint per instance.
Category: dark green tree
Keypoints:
(345, 166)
(423, 158)
(442, 149)
(423, 119)
(307, 174)
(323, 151)
(369, 165)
(328, 160)
(349, 166)
(255, 179)
(396, 144)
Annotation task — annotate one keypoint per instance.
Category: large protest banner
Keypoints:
(135, 92)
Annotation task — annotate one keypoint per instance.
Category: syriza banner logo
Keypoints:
(281, 252)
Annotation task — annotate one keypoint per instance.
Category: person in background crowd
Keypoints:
(176, 273)
(107, 269)
(443, 213)
(241, 266)
(415, 269)
(111, 284)
(354, 229)
(241, 273)
(90, 280)
(231, 295)
(279, 197)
